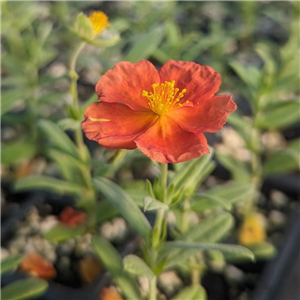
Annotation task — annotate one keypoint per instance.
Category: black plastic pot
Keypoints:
(280, 280)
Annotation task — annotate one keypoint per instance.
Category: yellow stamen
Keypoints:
(99, 20)
(164, 97)
(99, 120)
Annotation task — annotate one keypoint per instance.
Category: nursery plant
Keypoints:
(153, 102)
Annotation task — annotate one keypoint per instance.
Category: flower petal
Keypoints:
(114, 125)
(166, 142)
(208, 116)
(200, 82)
(125, 82)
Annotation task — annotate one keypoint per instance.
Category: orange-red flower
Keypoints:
(162, 113)
(72, 217)
(36, 265)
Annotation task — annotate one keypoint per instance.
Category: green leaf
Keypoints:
(280, 115)
(153, 204)
(69, 167)
(242, 126)
(237, 168)
(194, 292)
(68, 123)
(14, 152)
(250, 75)
(224, 248)
(83, 27)
(145, 44)
(136, 195)
(105, 211)
(11, 99)
(209, 230)
(261, 251)
(10, 263)
(204, 198)
(281, 161)
(61, 232)
(189, 174)
(50, 184)
(232, 192)
(58, 138)
(135, 265)
(24, 289)
(113, 263)
(124, 204)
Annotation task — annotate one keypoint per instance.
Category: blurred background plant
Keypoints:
(253, 45)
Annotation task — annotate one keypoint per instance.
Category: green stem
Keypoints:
(74, 76)
(158, 228)
(74, 93)
(195, 276)
(163, 181)
(76, 115)
(152, 288)
(185, 215)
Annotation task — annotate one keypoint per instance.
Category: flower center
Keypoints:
(164, 97)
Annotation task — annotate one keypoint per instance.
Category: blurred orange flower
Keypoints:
(110, 293)
(72, 217)
(36, 265)
(252, 230)
(162, 113)
(89, 268)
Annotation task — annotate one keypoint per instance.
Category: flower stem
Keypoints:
(152, 288)
(74, 93)
(158, 228)
(74, 76)
(75, 114)
(163, 181)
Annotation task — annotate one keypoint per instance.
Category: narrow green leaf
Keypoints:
(210, 230)
(105, 211)
(151, 204)
(224, 248)
(280, 115)
(249, 74)
(68, 123)
(58, 138)
(124, 204)
(218, 202)
(281, 161)
(242, 126)
(135, 265)
(145, 45)
(194, 292)
(237, 168)
(10, 263)
(69, 166)
(24, 289)
(136, 195)
(50, 184)
(188, 174)
(149, 188)
(11, 99)
(261, 251)
(14, 152)
(61, 232)
(232, 192)
(113, 263)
